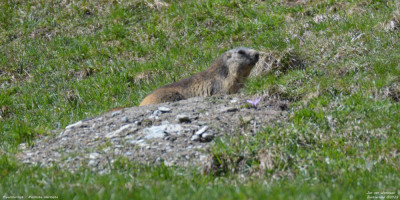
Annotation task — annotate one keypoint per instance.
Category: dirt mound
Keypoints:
(177, 133)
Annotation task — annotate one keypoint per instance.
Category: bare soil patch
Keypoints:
(178, 133)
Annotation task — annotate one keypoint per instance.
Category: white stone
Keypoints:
(92, 163)
(154, 132)
(164, 109)
(74, 125)
(124, 119)
(202, 130)
(195, 137)
(94, 155)
(207, 136)
(162, 130)
(155, 115)
(116, 113)
(173, 129)
(125, 128)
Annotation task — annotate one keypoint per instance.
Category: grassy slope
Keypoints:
(61, 62)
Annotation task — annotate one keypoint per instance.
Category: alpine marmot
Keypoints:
(225, 76)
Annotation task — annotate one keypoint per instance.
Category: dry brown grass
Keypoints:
(277, 63)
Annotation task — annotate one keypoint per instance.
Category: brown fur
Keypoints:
(225, 76)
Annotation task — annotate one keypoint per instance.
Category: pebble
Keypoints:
(116, 140)
(106, 150)
(173, 129)
(203, 157)
(206, 137)
(183, 118)
(140, 143)
(154, 132)
(201, 123)
(117, 151)
(202, 130)
(124, 130)
(94, 155)
(124, 119)
(115, 113)
(155, 115)
(56, 154)
(93, 163)
(22, 146)
(75, 125)
(195, 138)
(128, 153)
(164, 109)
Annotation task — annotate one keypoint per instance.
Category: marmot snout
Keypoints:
(225, 76)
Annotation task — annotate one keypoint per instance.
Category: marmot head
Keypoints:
(240, 61)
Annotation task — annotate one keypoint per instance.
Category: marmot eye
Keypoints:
(241, 52)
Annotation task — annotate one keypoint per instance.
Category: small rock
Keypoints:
(207, 137)
(131, 141)
(203, 157)
(201, 122)
(162, 130)
(183, 118)
(169, 163)
(117, 151)
(124, 119)
(164, 109)
(116, 140)
(129, 137)
(115, 113)
(94, 155)
(93, 163)
(173, 129)
(56, 154)
(202, 130)
(106, 150)
(22, 146)
(154, 132)
(156, 115)
(128, 154)
(75, 125)
(233, 100)
(146, 122)
(139, 143)
(195, 138)
(124, 130)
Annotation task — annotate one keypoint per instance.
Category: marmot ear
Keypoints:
(228, 55)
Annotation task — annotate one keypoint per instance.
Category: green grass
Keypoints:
(62, 62)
